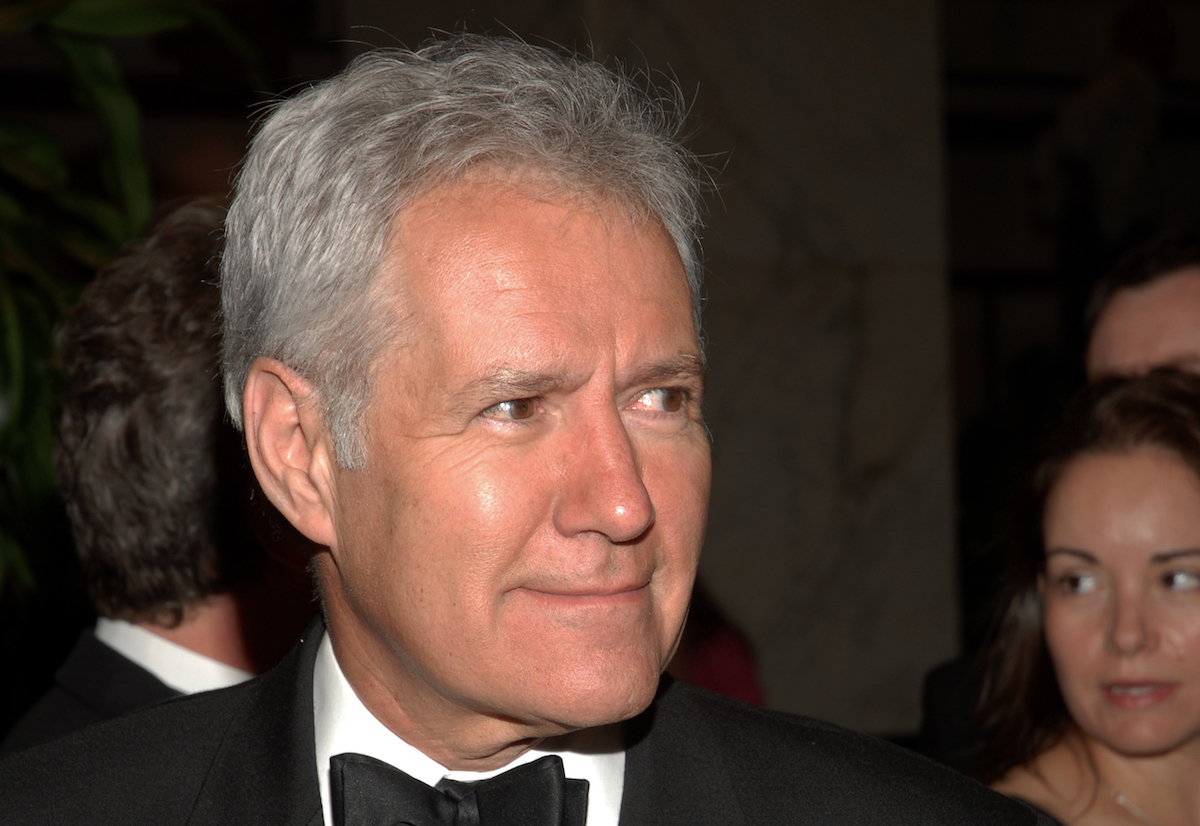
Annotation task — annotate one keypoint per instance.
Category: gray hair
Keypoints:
(331, 167)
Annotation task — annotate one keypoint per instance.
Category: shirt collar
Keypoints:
(343, 724)
(179, 667)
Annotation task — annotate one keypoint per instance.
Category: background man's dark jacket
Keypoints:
(94, 683)
(246, 755)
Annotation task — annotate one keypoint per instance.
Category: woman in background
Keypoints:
(1091, 705)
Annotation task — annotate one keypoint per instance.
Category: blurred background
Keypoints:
(914, 198)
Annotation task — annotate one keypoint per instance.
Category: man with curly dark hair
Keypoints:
(159, 494)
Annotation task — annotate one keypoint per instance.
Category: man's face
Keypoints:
(1154, 325)
(522, 544)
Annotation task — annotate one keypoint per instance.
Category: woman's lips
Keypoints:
(1135, 695)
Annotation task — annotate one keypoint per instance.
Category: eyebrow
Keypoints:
(1165, 556)
(511, 383)
(682, 368)
(514, 383)
(1181, 363)
(1084, 555)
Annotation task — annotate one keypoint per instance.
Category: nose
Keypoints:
(601, 490)
(1131, 630)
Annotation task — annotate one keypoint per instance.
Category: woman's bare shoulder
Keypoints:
(1060, 780)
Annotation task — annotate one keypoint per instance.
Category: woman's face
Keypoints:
(1122, 598)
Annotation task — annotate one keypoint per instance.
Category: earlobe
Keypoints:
(288, 447)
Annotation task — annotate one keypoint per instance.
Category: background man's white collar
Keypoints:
(179, 667)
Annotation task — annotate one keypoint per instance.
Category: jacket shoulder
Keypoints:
(239, 755)
(783, 768)
(94, 683)
(147, 767)
(57, 712)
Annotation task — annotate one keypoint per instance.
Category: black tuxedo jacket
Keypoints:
(94, 683)
(246, 755)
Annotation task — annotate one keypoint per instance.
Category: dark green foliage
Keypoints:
(54, 234)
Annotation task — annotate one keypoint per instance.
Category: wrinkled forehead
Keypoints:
(527, 182)
(482, 226)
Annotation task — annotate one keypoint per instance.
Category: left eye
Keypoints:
(512, 410)
(1181, 580)
(666, 399)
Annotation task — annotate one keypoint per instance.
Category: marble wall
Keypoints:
(831, 532)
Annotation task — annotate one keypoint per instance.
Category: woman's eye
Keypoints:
(1181, 580)
(1076, 583)
(665, 399)
(512, 410)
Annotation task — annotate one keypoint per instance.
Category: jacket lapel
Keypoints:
(265, 770)
(674, 773)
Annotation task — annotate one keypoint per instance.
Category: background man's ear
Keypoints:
(289, 447)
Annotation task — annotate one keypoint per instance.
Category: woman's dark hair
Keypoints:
(1021, 710)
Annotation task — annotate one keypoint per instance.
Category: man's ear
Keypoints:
(289, 447)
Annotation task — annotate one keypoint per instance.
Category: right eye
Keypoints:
(1078, 583)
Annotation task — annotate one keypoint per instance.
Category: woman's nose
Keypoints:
(1131, 630)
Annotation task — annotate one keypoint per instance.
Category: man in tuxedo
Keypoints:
(460, 296)
(157, 491)
(1145, 313)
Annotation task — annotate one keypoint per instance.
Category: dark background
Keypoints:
(1008, 69)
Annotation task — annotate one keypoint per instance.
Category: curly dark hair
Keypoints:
(148, 466)
(1021, 711)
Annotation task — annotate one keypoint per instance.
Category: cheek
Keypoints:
(499, 498)
(679, 488)
(1072, 641)
(678, 483)
(679, 472)
(1181, 632)
(473, 500)
(468, 534)
(413, 541)
(362, 523)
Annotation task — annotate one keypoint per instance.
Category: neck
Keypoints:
(455, 737)
(250, 627)
(212, 627)
(1162, 786)
(461, 736)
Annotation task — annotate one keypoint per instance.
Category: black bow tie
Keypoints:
(369, 792)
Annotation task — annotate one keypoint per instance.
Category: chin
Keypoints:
(1146, 741)
(597, 697)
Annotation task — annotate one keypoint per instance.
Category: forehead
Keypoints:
(1145, 500)
(481, 255)
(1151, 325)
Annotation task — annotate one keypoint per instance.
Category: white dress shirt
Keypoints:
(180, 668)
(343, 724)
